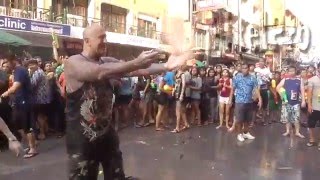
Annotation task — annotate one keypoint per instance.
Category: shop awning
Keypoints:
(10, 39)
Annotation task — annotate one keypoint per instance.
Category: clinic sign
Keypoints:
(21, 24)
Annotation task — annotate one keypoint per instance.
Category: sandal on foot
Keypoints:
(30, 155)
(175, 131)
(310, 144)
(185, 127)
(138, 125)
(26, 150)
(146, 124)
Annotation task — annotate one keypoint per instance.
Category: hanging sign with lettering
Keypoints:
(21, 24)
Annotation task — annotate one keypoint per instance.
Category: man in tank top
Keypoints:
(90, 137)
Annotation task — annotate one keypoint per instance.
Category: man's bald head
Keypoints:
(94, 41)
(92, 30)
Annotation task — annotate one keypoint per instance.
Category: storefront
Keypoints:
(39, 33)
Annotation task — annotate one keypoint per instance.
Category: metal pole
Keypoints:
(239, 27)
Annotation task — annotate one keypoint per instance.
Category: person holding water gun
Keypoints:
(290, 89)
(275, 99)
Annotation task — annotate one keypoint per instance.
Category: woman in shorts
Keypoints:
(225, 85)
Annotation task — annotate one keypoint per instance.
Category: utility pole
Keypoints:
(239, 27)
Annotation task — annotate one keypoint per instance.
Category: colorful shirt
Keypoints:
(293, 90)
(225, 92)
(59, 70)
(244, 86)
(40, 87)
(263, 77)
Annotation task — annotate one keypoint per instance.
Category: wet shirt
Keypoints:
(263, 77)
(169, 78)
(178, 86)
(314, 84)
(293, 90)
(126, 86)
(91, 105)
(23, 94)
(211, 82)
(187, 76)
(40, 87)
(196, 82)
(244, 86)
(225, 92)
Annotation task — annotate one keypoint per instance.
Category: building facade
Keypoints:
(131, 25)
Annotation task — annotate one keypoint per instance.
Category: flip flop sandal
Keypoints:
(138, 125)
(146, 124)
(184, 128)
(311, 144)
(30, 155)
(26, 150)
(175, 131)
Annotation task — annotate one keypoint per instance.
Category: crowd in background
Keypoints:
(189, 96)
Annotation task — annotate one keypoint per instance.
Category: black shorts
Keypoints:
(265, 98)
(22, 117)
(162, 99)
(42, 109)
(243, 112)
(313, 118)
(123, 99)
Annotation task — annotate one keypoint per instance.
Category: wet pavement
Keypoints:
(197, 154)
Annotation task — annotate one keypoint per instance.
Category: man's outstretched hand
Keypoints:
(176, 61)
(176, 38)
(146, 58)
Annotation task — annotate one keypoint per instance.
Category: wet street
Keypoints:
(198, 154)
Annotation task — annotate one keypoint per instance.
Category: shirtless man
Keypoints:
(90, 137)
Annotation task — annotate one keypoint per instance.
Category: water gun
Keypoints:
(167, 87)
(273, 83)
(153, 85)
(283, 95)
(55, 38)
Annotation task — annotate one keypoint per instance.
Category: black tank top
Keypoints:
(91, 105)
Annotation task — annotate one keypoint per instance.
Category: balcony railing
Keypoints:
(49, 15)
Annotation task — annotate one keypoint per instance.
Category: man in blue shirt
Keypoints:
(243, 86)
(21, 91)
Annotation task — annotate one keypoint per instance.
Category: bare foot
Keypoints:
(286, 134)
(300, 135)
(218, 127)
(228, 127)
(42, 137)
(160, 129)
(231, 129)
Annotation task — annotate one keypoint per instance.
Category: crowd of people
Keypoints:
(189, 96)
(34, 97)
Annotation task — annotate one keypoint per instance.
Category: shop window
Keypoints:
(113, 18)
(146, 28)
(77, 7)
(58, 6)
(19, 4)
